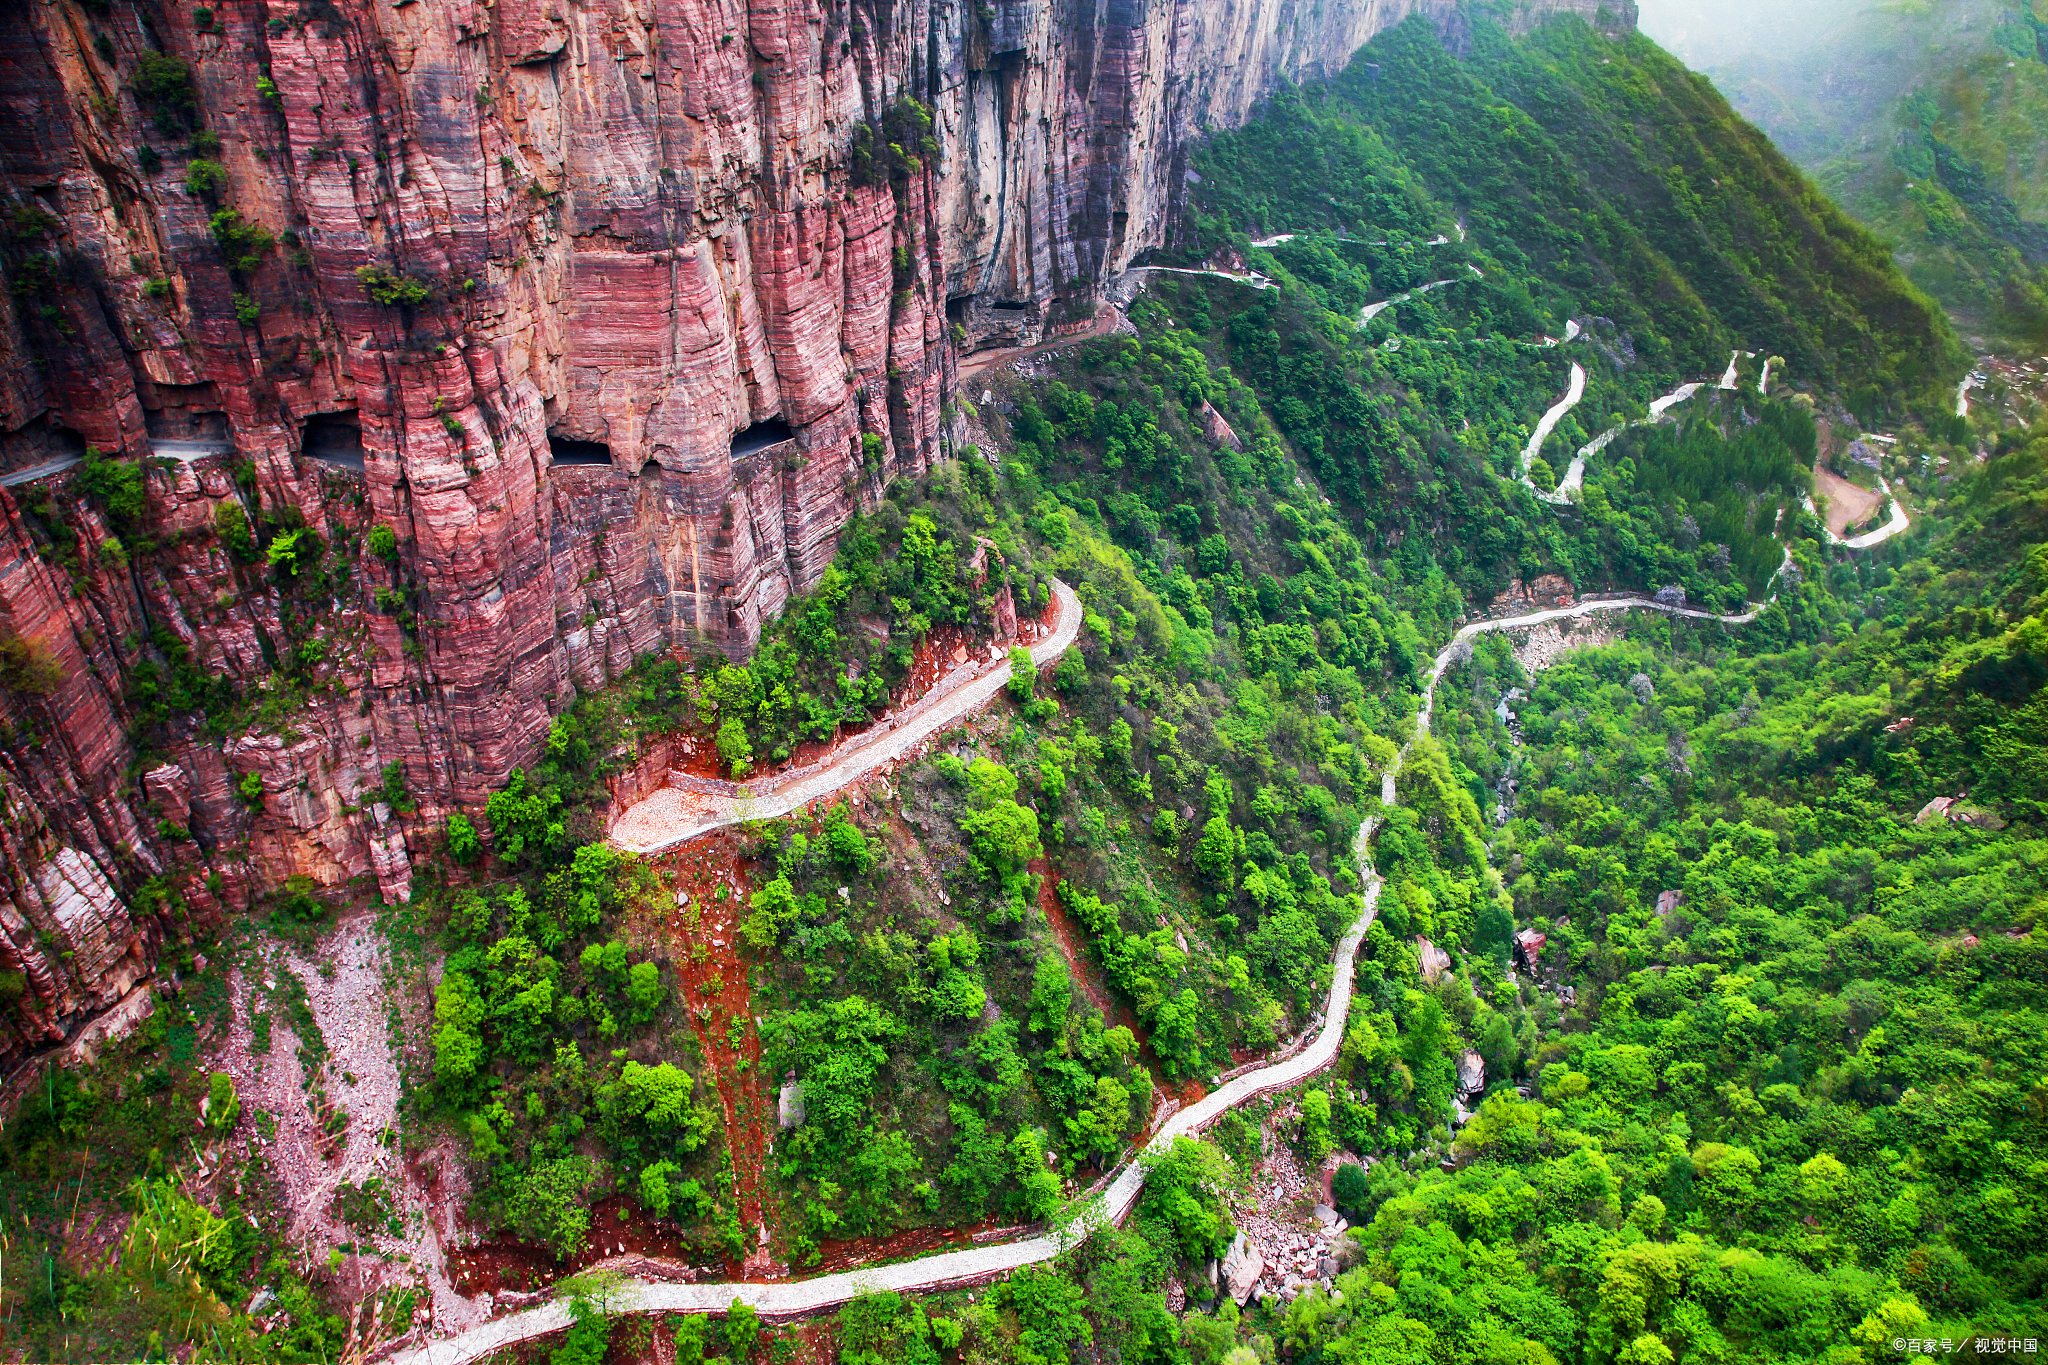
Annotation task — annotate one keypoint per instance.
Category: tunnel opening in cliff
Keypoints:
(760, 436)
(185, 414)
(334, 438)
(38, 444)
(568, 450)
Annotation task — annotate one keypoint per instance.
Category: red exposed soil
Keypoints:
(897, 1246)
(710, 872)
(617, 1227)
(1087, 972)
(816, 1340)
(700, 759)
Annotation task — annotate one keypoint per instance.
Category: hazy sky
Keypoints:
(1819, 75)
(1704, 33)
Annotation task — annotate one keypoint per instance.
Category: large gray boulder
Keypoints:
(1242, 1266)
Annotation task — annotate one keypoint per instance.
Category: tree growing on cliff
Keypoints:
(115, 487)
(28, 668)
(462, 842)
(526, 820)
(390, 288)
(163, 86)
(734, 748)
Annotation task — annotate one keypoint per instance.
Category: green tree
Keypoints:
(460, 838)
(1023, 674)
(546, 1205)
(742, 1331)
(587, 1338)
(659, 1094)
(1184, 1187)
(1038, 1188)
(690, 1341)
(1216, 856)
(643, 991)
(775, 908)
(526, 821)
(734, 748)
(848, 846)
(458, 1019)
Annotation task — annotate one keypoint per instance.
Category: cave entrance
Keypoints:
(334, 438)
(1009, 306)
(567, 450)
(760, 436)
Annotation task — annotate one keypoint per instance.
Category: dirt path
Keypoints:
(1573, 393)
(979, 1264)
(1108, 321)
(675, 815)
(1373, 310)
(1575, 473)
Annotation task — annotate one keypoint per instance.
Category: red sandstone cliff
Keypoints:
(702, 235)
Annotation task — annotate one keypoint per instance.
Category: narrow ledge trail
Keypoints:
(793, 1298)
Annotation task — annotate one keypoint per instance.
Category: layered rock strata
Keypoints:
(612, 311)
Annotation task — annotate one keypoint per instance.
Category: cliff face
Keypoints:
(612, 310)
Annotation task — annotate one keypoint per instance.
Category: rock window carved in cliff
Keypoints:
(334, 438)
(760, 436)
(567, 450)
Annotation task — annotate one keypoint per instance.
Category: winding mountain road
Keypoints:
(664, 819)
(1895, 523)
(794, 1297)
(1373, 310)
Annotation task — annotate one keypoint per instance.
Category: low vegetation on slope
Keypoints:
(1926, 123)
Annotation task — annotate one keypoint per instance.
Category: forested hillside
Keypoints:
(1792, 1111)
(1605, 179)
(1926, 122)
(1797, 1109)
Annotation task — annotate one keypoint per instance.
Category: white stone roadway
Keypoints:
(790, 1298)
(959, 695)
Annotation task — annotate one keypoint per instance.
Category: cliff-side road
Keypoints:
(672, 816)
(794, 1297)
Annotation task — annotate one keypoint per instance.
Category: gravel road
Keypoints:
(666, 819)
(792, 1298)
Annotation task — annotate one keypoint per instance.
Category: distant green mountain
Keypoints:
(1600, 177)
(1928, 122)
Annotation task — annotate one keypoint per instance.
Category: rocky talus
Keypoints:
(612, 310)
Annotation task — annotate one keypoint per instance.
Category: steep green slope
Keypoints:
(1927, 122)
(1614, 182)
(1801, 1112)
(1960, 190)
